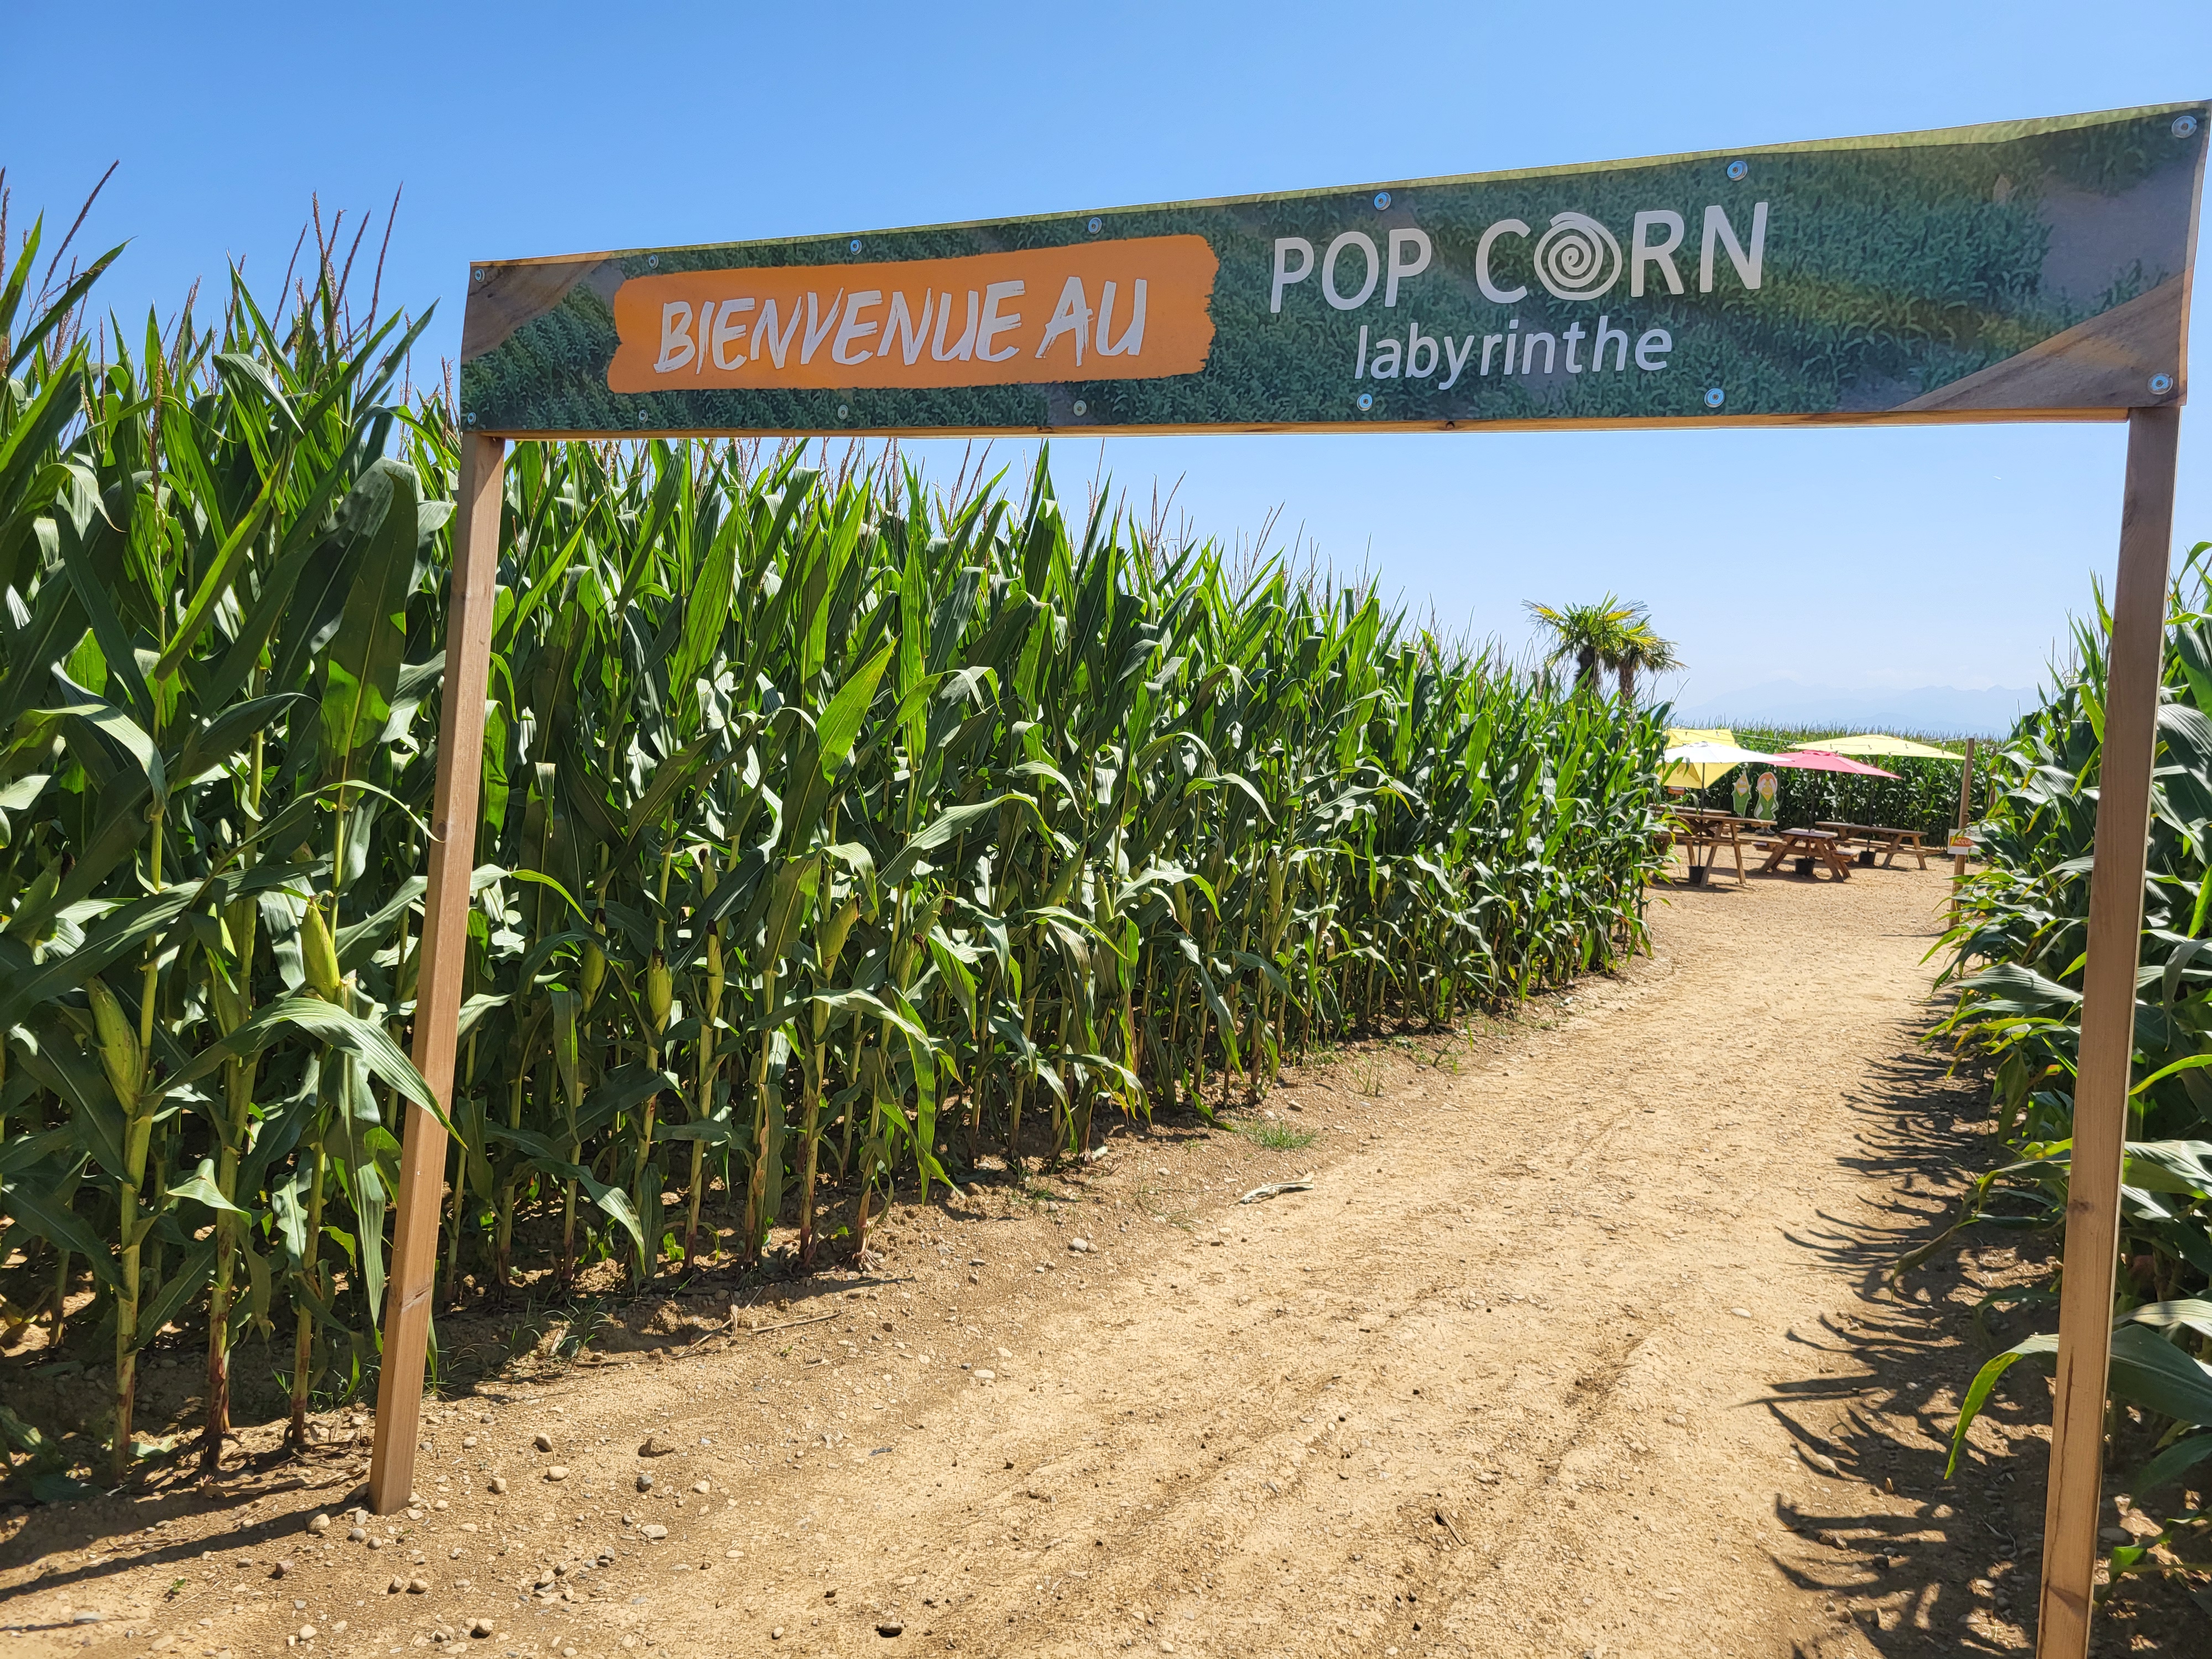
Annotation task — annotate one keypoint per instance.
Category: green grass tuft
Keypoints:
(1276, 1136)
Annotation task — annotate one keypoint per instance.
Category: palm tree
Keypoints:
(1594, 635)
(1612, 636)
(1644, 652)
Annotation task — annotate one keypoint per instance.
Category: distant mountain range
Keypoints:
(1945, 710)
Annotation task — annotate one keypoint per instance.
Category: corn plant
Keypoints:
(202, 672)
(2016, 953)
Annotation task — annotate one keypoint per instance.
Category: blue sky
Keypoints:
(1862, 560)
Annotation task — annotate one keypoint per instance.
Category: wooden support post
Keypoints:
(2108, 1004)
(438, 980)
(1967, 787)
(1966, 808)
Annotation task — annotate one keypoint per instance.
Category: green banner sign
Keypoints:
(2034, 270)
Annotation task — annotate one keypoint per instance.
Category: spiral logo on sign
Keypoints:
(1577, 257)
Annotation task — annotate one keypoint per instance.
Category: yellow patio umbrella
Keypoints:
(1691, 774)
(1880, 745)
(1703, 759)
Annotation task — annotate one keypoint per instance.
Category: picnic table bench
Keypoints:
(1808, 848)
(1697, 828)
(1874, 838)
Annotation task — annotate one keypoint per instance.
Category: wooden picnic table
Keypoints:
(1701, 829)
(1879, 838)
(1809, 847)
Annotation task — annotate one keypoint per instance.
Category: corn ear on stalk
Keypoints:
(319, 951)
(659, 993)
(830, 945)
(120, 1057)
(593, 973)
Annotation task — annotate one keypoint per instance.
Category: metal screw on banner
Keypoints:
(1382, 199)
(2184, 126)
(2161, 384)
(1739, 170)
(1366, 401)
(1714, 397)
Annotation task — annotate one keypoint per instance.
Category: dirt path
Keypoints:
(1577, 1345)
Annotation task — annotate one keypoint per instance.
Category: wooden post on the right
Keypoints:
(1966, 810)
(2133, 670)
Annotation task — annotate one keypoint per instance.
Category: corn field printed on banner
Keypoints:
(830, 829)
(2016, 954)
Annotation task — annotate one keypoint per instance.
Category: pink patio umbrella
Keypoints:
(1820, 760)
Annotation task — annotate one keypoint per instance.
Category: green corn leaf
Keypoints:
(839, 726)
(210, 746)
(612, 1200)
(221, 577)
(57, 309)
(791, 889)
(311, 1017)
(2151, 1372)
(177, 1293)
(361, 672)
(707, 605)
(622, 1091)
(200, 1188)
(246, 372)
(2170, 1464)
(53, 1221)
(948, 826)
(957, 975)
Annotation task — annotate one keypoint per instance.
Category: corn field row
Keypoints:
(2016, 951)
(833, 830)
